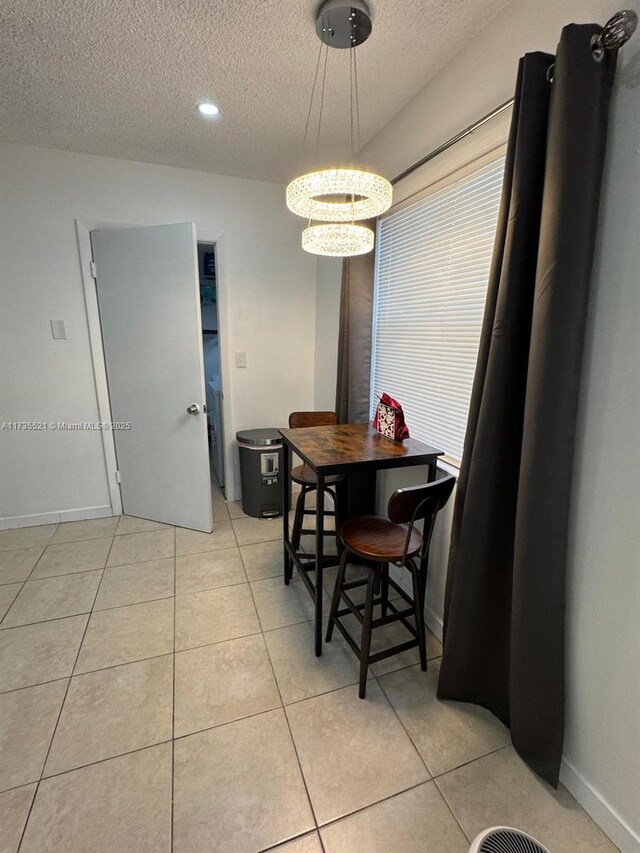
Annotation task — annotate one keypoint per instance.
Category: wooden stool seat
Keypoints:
(376, 538)
(305, 476)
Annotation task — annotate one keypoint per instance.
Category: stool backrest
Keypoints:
(311, 419)
(410, 505)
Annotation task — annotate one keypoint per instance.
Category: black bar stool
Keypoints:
(381, 541)
(306, 478)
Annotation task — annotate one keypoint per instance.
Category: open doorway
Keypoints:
(207, 271)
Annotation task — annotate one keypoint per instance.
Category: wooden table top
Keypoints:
(329, 448)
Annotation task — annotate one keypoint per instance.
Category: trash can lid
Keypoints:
(259, 437)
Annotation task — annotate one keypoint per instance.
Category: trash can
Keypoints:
(260, 464)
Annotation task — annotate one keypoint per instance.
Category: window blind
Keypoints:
(432, 269)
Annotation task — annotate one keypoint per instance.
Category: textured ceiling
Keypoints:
(121, 77)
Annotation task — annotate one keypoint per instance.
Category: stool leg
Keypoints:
(419, 614)
(365, 644)
(338, 503)
(377, 584)
(385, 589)
(298, 519)
(335, 598)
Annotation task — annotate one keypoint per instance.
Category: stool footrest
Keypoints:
(352, 607)
(310, 532)
(346, 610)
(394, 650)
(385, 653)
(400, 591)
(400, 616)
(306, 562)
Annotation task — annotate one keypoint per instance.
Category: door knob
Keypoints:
(193, 409)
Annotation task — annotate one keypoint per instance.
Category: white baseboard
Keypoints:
(81, 514)
(434, 622)
(607, 818)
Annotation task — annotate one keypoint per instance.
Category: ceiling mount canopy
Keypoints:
(346, 194)
(343, 25)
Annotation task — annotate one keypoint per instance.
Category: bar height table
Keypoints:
(355, 450)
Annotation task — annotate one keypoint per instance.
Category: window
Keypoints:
(432, 269)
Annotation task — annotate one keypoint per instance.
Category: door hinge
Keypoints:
(118, 477)
(92, 267)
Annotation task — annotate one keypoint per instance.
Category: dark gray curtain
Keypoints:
(505, 599)
(354, 341)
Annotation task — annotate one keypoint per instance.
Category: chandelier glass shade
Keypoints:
(337, 240)
(339, 195)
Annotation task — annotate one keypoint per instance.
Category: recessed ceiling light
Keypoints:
(207, 109)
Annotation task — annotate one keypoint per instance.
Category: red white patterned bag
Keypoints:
(389, 419)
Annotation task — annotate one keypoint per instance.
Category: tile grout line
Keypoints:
(51, 618)
(127, 662)
(450, 807)
(62, 704)
(33, 568)
(248, 717)
(239, 719)
(424, 761)
(273, 848)
(13, 601)
(404, 728)
(83, 569)
(88, 671)
(275, 679)
(398, 794)
(116, 606)
(180, 651)
(90, 764)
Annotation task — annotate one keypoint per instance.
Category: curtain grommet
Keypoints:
(597, 48)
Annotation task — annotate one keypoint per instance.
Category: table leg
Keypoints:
(286, 502)
(433, 470)
(319, 549)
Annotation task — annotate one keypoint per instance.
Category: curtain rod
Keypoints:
(616, 32)
(461, 135)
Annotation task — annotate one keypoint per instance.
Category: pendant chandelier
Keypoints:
(336, 199)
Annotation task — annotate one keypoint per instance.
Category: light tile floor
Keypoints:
(159, 692)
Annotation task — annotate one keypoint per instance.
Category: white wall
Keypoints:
(602, 756)
(270, 287)
(329, 274)
(602, 747)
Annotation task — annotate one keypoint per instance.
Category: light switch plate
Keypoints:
(241, 359)
(59, 330)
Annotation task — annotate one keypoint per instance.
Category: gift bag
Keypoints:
(389, 419)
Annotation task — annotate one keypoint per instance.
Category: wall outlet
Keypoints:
(241, 359)
(59, 330)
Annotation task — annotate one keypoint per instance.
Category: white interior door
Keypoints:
(149, 301)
